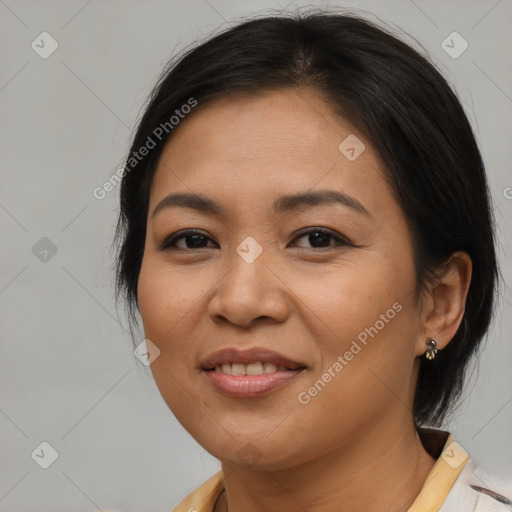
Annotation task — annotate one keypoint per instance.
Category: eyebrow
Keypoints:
(283, 204)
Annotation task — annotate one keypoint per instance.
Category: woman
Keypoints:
(306, 232)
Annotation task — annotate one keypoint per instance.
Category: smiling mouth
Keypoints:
(249, 372)
(250, 380)
(253, 368)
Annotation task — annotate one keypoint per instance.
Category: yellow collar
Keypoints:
(451, 459)
(450, 462)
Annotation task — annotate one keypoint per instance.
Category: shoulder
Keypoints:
(478, 491)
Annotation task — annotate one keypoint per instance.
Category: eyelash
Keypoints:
(168, 243)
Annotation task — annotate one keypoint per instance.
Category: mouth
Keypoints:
(253, 368)
(249, 373)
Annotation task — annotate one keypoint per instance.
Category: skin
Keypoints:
(305, 302)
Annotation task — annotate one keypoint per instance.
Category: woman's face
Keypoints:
(323, 285)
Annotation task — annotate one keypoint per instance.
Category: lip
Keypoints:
(248, 355)
(250, 386)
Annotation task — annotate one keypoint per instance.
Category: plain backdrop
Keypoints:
(68, 374)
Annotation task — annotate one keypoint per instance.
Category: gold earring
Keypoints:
(431, 351)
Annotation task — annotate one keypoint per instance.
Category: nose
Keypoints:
(249, 293)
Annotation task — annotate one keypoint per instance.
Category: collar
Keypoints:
(451, 459)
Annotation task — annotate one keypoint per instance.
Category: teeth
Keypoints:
(255, 368)
(238, 369)
(269, 368)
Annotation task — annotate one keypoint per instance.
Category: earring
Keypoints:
(431, 351)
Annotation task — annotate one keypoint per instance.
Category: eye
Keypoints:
(320, 238)
(192, 238)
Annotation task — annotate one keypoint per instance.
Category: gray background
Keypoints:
(68, 374)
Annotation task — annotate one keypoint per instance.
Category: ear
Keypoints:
(444, 303)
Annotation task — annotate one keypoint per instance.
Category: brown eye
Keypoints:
(321, 238)
(192, 240)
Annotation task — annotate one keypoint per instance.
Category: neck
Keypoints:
(380, 470)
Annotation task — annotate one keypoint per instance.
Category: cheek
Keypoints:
(166, 302)
(165, 296)
(172, 304)
(348, 299)
(363, 331)
(366, 315)
(153, 297)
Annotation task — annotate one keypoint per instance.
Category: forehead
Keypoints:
(266, 144)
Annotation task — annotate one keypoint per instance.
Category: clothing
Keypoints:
(455, 483)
